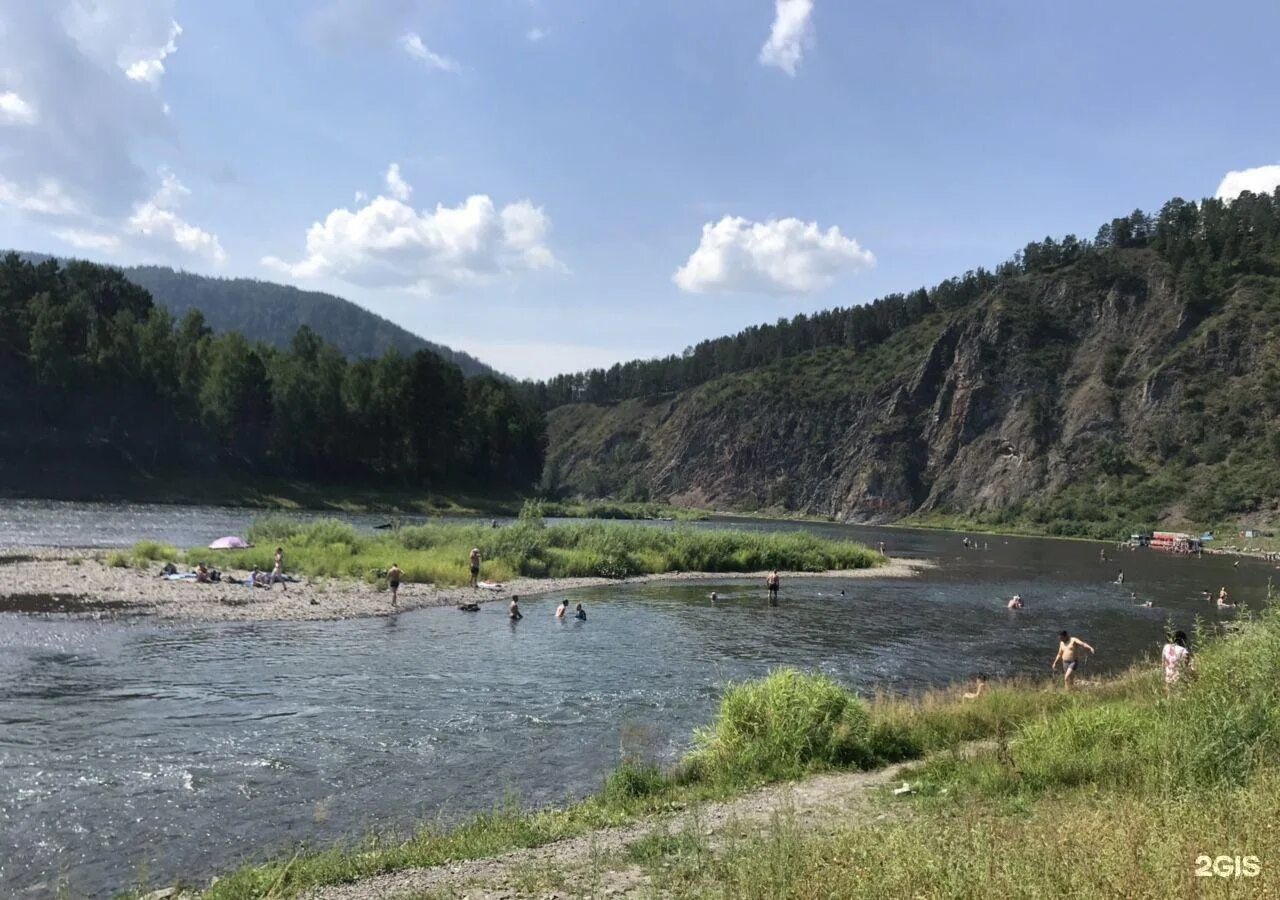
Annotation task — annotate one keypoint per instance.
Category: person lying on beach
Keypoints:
(202, 574)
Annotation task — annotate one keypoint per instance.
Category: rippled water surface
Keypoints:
(128, 747)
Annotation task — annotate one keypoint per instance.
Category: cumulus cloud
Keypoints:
(156, 220)
(537, 35)
(414, 46)
(387, 243)
(83, 239)
(790, 36)
(780, 256)
(81, 79)
(14, 110)
(399, 188)
(1259, 180)
(147, 63)
(45, 197)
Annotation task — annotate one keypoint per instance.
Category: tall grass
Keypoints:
(438, 553)
(783, 726)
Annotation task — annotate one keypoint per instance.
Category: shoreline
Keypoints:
(61, 582)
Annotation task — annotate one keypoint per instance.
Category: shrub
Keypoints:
(782, 726)
(154, 551)
(118, 559)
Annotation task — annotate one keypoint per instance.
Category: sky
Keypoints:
(553, 185)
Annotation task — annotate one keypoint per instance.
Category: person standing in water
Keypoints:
(581, 614)
(474, 561)
(772, 583)
(1176, 657)
(393, 582)
(513, 611)
(277, 569)
(1068, 647)
(562, 608)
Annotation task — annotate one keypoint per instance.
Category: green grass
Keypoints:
(1109, 792)
(438, 553)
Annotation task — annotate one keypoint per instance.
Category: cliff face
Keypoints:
(1068, 395)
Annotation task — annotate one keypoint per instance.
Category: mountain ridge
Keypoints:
(1127, 381)
(273, 312)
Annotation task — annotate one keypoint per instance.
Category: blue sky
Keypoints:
(641, 175)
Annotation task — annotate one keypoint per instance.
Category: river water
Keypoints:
(131, 749)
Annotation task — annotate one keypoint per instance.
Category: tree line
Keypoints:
(91, 366)
(1201, 241)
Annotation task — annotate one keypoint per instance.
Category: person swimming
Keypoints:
(1015, 602)
(513, 611)
(562, 608)
(714, 596)
(580, 614)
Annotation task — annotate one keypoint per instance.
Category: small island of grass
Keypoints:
(437, 553)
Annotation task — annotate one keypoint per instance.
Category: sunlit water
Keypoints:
(131, 749)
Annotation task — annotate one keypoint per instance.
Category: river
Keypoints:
(133, 749)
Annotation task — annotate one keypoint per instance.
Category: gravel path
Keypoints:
(815, 803)
(80, 583)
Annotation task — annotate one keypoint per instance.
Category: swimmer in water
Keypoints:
(714, 596)
(513, 611)
(580, 614)
(1015, 602)
(562, 608)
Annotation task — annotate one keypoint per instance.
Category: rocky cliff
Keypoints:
(1093, 397)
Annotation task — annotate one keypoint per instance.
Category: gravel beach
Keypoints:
(80, 583)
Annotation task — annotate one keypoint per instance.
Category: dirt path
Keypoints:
(594, 864)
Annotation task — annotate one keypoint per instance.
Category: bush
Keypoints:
(154, 551)
(783, 726)
(118, 559)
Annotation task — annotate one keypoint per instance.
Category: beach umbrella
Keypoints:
(230, 542)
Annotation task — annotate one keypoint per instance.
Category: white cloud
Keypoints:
(46, 197)
(87, 122)
(780, 256)
(400, 189)
(387, 243)
(413, 45)
(537, 35)
(790, 36)
(157, 221)
(1260, 180)
(88, 240)
(14, 110)
(147, 63)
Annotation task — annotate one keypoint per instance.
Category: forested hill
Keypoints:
(272, 313)
(99, 382)
(1086, 386)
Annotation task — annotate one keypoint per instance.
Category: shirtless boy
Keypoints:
(1068, 647)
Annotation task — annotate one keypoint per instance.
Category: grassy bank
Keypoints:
(1113, 789)
(1113, 793)
(438, 553)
